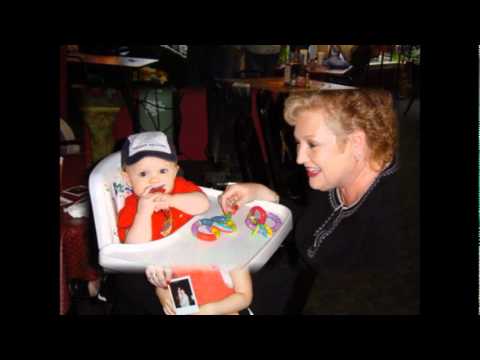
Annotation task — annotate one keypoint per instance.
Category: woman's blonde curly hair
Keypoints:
(369, 110)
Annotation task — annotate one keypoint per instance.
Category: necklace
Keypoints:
(342, 199)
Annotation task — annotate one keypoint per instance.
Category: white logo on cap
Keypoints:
(148, 141)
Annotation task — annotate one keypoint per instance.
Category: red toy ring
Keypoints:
(257, 218)
(257, 215)
(203, 235)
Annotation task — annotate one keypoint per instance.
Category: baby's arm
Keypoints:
(192, 203)
(141, 229)
(232, 304)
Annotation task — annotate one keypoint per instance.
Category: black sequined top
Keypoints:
(362, 241)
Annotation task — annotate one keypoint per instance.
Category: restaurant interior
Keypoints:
(225, 119)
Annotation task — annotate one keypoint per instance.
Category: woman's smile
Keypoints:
(313, 171)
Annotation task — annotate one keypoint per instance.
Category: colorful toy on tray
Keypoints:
(261, 222)
(209, 229)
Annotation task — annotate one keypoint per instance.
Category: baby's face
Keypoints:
(151, 172)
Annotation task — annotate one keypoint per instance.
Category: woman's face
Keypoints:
(327, 165)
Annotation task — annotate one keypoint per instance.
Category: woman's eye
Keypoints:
(163, 171)
(143, 173)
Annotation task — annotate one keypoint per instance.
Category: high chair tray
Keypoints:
(182, 248)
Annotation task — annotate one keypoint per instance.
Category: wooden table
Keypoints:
(322, 69)
(276, 85)
(324, 73)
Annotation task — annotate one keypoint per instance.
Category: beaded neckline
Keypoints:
(336, 199)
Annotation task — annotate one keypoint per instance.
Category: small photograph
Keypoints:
(183, 296)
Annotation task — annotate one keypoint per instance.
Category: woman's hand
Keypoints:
(159, 276)
(237, 195)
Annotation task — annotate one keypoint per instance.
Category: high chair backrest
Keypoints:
(104, 184)
(108, 191)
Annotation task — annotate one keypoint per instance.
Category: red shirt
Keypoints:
(178, 218)
(208, 284)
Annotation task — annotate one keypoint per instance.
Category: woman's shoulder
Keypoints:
(388, 190)
(386, 207)
(387, 185)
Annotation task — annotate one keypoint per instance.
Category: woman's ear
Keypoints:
(358, 141)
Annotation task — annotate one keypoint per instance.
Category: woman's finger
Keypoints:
(229, 199)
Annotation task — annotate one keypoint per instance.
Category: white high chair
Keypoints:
(107, 194)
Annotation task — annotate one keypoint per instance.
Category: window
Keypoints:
(394, 54)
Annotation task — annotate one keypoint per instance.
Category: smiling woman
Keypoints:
(344, 138)
(351, 225)
(345, 112)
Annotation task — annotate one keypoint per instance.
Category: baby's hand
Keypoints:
(146, 202)
(158, 276)
(163, 201)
